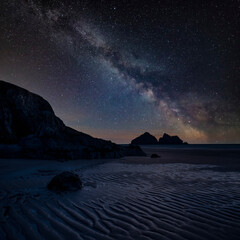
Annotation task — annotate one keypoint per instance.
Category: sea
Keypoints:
(195, 146)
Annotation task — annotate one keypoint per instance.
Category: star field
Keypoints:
(115, 69)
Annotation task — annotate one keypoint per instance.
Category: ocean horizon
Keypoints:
(192, 146)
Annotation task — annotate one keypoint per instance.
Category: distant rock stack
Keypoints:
(148, 139)
(30, 129)
(167, 139)
(145, 139)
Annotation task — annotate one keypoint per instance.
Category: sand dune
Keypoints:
(119, 201)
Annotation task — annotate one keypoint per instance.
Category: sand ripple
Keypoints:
(123, 201)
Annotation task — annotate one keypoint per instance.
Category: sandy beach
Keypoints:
(119, 120)
(185, 194)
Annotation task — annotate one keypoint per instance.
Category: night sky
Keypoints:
(115, 69)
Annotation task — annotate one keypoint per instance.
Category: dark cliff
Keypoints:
(29, 128)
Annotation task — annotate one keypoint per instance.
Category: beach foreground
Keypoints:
(185, 194)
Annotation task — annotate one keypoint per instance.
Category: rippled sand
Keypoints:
(123, 199)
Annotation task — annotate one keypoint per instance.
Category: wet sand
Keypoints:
(229, 158)
(185, 194)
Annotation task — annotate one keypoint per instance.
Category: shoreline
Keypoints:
(172, 197)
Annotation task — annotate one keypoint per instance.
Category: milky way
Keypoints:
(115, 69)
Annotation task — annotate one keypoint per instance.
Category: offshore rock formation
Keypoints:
(145, 139)
(148, 139)
(30, 129)
(167, 139)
